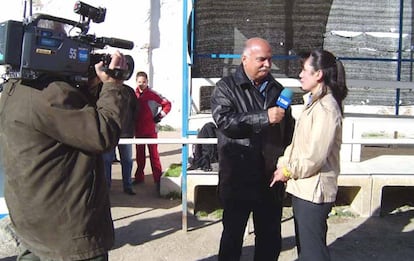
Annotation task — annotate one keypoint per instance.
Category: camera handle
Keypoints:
(115, 73)
(36, 17)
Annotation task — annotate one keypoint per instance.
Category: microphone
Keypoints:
(285, 98)
(114, 42)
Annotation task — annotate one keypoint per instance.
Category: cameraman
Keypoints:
(52, 135)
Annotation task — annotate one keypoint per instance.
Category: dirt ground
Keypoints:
(149, 227)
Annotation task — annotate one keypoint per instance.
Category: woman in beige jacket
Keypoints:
(310, 164)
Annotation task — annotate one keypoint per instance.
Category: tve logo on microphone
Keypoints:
(285, 98)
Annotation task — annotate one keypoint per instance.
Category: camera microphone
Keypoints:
(114, 42)
(285, 98)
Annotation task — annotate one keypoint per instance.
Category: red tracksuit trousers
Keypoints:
(154, 159)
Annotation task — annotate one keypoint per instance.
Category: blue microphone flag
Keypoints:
(285, 98)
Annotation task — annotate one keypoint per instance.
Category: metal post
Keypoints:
(400, 33)
(184, 119)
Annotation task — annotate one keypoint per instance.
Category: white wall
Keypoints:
(167, 57)
(155, 27)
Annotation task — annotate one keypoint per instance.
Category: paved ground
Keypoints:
(149, 227)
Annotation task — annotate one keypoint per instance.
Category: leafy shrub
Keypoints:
(174, 170)
(165, 128)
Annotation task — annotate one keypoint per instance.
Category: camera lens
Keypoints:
(118, 73)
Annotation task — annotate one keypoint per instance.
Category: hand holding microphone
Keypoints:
(277, 113)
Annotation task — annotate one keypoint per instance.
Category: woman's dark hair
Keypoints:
(333, 74)
(141, 74)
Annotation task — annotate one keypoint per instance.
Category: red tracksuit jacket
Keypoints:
(150, 104)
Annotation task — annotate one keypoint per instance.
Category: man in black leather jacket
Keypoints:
(252, 133)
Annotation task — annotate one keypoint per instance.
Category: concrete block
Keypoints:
(361, 203)
(380, 181)
(198, 178)
(170, 185)
(369, 176)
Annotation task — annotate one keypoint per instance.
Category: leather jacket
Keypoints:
(248, 145)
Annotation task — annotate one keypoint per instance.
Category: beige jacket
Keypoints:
(313, 155)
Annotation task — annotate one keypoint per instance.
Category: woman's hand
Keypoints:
(278, 175)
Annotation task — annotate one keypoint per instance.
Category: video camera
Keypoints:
(40, 46)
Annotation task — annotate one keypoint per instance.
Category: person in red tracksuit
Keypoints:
(152, 108)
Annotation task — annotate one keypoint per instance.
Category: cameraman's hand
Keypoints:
(118, 61)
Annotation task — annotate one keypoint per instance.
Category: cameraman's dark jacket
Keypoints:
(131, 112)
(248, 146)
(51, 139)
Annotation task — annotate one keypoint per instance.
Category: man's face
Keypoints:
(257, 62)
(142, 83)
